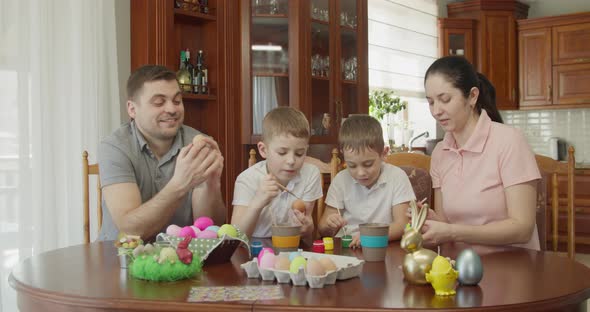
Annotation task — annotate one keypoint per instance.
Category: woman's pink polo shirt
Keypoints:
(473, 178)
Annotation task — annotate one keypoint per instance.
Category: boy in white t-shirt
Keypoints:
(369, 190)
(258, 200)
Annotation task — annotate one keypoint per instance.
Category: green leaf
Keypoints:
(382, 103)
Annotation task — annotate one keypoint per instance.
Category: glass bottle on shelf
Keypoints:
(202, 72)
(183, 75)
(189, 66)
(204, 6)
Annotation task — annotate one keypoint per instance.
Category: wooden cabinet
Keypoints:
(495, 53)
(535, 63)
(158, 33)
(456, 37)
(554, 61)
(308, 54)
(572, 44)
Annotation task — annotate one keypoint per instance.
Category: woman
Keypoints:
(483, 172)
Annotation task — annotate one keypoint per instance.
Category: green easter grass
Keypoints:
(146, 268)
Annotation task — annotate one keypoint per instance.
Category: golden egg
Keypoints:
(299, 205)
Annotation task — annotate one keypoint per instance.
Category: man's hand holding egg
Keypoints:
(208, 159)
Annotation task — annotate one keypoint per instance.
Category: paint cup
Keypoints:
(318, 246)
(346, 240)
(255, 248)
(374, 239)
(328, 243)
(285, 237)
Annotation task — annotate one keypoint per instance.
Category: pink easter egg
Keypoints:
(268, 260)
(263, 251)
(187, 231)
(173, 230)
(196, 229)
(203, 222)
(206, 234)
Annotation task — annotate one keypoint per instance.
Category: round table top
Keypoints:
(90, 276)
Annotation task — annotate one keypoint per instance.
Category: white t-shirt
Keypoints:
(359, 204)
(306, 185)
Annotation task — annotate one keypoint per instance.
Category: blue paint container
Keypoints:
(255, 248)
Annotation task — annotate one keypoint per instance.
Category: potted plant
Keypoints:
(384, 103)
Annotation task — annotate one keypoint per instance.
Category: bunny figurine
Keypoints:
(418, 261)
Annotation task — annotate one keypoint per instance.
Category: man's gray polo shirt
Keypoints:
(125, 157)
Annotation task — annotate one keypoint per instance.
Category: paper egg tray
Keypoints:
(348, 267)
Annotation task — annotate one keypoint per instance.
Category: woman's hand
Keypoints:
(436, 232)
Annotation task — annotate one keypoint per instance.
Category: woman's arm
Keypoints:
(516, 228)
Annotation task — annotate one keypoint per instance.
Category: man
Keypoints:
(152, 173)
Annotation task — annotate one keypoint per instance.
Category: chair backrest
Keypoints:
(87, 171)
(553, 168)
(330, 168)
(417, 167)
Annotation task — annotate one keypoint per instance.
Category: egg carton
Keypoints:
(348, 267)
(301, 278)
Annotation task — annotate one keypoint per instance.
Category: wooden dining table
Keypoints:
(89, 278)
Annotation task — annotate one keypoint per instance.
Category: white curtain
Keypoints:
(264, 98)
(59, 95)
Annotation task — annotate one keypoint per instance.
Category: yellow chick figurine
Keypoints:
(442, 277)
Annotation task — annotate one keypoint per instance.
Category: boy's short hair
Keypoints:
(145, 74)
(359, 132)
(284, 121)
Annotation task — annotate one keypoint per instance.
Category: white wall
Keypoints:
(122, 20)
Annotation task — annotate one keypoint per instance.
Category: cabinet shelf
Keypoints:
(198, 97)
(313, 20)
(193, 17)
(271, 15)
(348, 28)
(320, 78)
(349, 82)
(269, 74)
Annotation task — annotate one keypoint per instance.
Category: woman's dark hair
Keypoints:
(461, 74)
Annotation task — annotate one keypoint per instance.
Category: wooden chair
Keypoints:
(330, 168)
(553, 168)
(417, 167)
(87, 171)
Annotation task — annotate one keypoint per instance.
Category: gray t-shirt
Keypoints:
(125, 157)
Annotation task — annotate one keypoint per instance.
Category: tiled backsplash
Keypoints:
(571, 125)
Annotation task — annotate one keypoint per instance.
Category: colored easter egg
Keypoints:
(263, 251)
(206, 234)
(297, 263)
(267, 261)
(187, 231)
(294, 254)
(282, 263)
(298, 204)
(173, 230)
(212, 228)
(470, 267)
(227, 229)
(315, 268)
(195, 229)
(203, 222)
